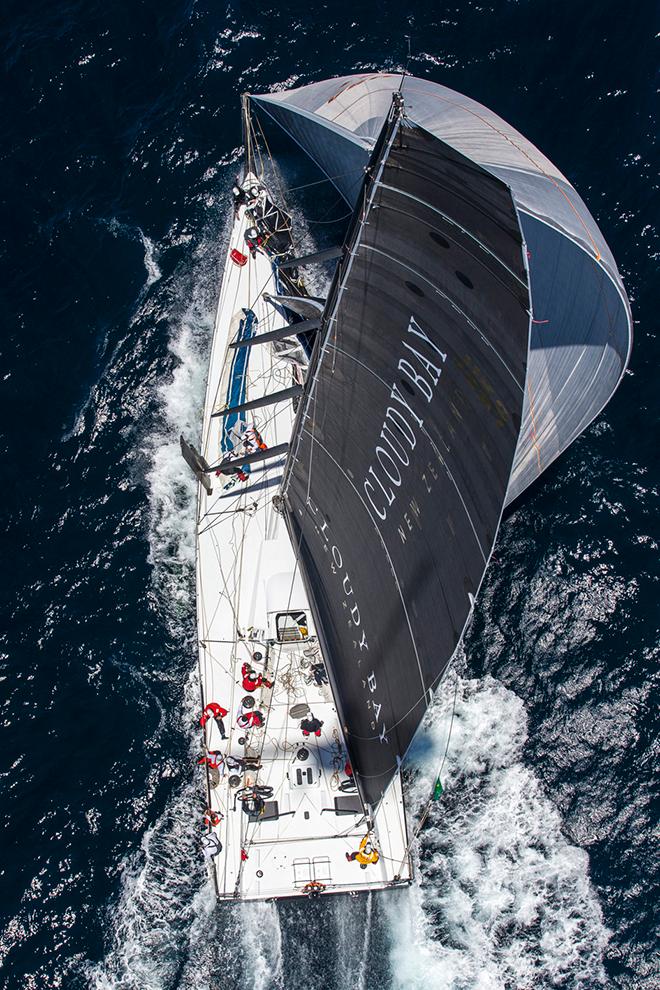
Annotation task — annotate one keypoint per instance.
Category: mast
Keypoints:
(246, 125)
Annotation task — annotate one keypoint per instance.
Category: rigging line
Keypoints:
(328, 178)
(259, 497)
(407, 65)
(252, 501)
(301, 653)
(256, 145)
(246, 834)
(275, 169)
(235, 642)
(249, 840)
(431, 800)
(336, 219)
(250, 837)
(225, 590)
(298, 242)
(288, 608)
(238, 556)
(246, 132)
(233, 687)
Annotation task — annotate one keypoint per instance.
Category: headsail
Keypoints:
(405, 438)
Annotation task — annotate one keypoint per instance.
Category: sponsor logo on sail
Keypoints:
(419, 373)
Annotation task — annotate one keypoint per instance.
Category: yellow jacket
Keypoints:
(365, 855)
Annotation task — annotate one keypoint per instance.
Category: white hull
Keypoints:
(246, 576)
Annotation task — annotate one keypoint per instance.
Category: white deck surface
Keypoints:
(246, 573)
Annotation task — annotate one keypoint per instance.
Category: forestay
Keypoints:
(404, 441)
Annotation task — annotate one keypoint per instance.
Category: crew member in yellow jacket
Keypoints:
(365, 855)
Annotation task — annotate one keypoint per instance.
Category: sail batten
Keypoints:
(403, 445)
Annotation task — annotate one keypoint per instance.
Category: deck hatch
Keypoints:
(270, 814)
(348, 804)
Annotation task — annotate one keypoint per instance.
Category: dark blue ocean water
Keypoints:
(120, 137)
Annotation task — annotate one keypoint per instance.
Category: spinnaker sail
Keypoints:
(404, 441)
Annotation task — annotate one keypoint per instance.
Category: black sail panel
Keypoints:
(405, 439)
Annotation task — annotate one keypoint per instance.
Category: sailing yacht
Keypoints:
(357, 453)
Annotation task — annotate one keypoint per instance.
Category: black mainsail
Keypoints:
(405, 437)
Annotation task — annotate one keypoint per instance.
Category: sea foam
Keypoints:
(501, 898)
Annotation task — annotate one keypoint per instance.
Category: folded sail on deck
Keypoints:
(405, 439)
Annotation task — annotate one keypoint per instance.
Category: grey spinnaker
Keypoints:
(405, 439)
(581, 335)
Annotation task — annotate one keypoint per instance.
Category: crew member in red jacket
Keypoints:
(217, 713)
(252, 680)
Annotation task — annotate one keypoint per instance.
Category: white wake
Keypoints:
(502, 899)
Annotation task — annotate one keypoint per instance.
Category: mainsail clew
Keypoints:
(404, 442)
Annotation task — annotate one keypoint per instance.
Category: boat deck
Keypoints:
(293, 837)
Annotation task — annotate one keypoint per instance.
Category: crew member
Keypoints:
(249, 720)
(253, 239)
(211, 845)
(252, 680)
(311, 724)
(217, 713)
(213, 759)
(212, 818)
(366, 854)
(255, 438)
